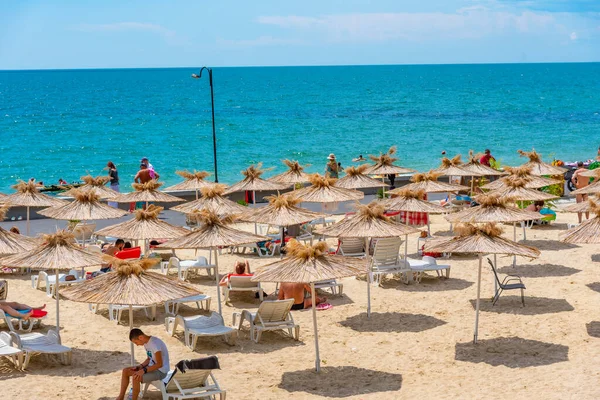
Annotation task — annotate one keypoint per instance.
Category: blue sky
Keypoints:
(113, 34)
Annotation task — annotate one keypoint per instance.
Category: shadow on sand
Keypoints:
(594, 286)
(429, 284)
(596, 257)
(593, 329)
(549, 245)
(391, 322)
(533, 305)
(538, 270)
(340, 381)
(512, 352)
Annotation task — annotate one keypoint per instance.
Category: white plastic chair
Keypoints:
(352, 247)
(183, 267)
(49, 280)
(19, 324)
(202, 302)
(9, 351)
(271, 315)
(428, 264)
(115, 311)
(242, 284)
(195, 327)
(386, 259)
(36, 343)
(83, 232)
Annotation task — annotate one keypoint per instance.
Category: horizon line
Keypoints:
(299, 66)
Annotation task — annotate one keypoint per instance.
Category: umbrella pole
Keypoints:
(495, 266)
(27, 220)
(514, 239)
(57, 308)
(477, 302)
(368, 279)
(428, 226)
(217, 280)
(314, 313)
(196, 194)
(130, 328)
(254, 204)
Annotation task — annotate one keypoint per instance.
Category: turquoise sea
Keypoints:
(66, 123)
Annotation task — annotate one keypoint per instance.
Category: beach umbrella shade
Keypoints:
(452, 167)
(192, 181)
(582, 207)
(96, 185)
(532, 182)
(130, 283)
(588, 231)
(593, 188)
(590, 173)
(515, 188)
(28, 195)
(384, 164)
(252, 181)
(428, 183)
(57, 252)
(146, 192)
(282, 210)
(12, 243)
(144, 226)
(295, 174)
(493, 208)
(212, 234)
(212, 199)
(356, 179)
(3, 197)
(412, 201)
(478, 169)
(323, 190)
(537, 166)
(310, 264)
(368, 222)
(480, 240)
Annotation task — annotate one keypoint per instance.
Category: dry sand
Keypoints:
(417, 344)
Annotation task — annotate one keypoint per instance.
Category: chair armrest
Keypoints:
(508, 278)
(512, 279)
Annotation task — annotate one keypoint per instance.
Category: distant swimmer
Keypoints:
(359, 159)
(61, 181)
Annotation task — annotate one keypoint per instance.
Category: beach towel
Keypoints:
(324, 306)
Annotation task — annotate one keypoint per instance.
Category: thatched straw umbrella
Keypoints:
(356, 179)
(522, 172)
(212, 234)
(145, 226)
(593, 188)
(58, 252)
(12, 243)
(146, 192)
(130, 283)
(28, 195)
(452, 167)
(428, 183)
(590, 173)
(310, 264)
(537, 166)
(369, 222)
(324, 190)
(384, 164)
(96, 185)
(212, 199)
(515, 188)
(253, 182)
(481, 240)
(193, 181)
(295, 174)
(412, 201)
(583, 207)
(3, 197)
(586, 232)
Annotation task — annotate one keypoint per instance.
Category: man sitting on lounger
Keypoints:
(297, 292)
(18, 310)
(154, 368)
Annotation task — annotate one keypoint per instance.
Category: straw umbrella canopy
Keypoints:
(515, 188)
(28, 195)
(212, 199)
(478, 169)
(484, 239)
(412, 201)
(96, 185)
(146, 192)
(86, 206)
(594, 188)
(310, 264)
(11, 243)
(130, 284)
(3, 197)
(281, 211)
(452, 167)
(253, 182)
(193, 181)
(522, 172)
(590, 173)
(295, 174)
(323, 190)
(58, 252)
(586, 232)
(369, 222)
(537, 166)
(582, 207)
(144, 226)
(493, 208)
(428, 183)
(384, 164)
(356, 179)
(212, 234)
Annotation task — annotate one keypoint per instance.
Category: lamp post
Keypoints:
(212, 103)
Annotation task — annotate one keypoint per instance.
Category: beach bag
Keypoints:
(3, 290)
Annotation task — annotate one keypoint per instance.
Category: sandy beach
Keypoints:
(417, 344)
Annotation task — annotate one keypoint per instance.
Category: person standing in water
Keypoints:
(113, 174)
(580, 182)
(487, 157)
(332, 170)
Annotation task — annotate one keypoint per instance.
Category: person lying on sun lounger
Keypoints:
(18, 310)
(241, 268)
(297, 292)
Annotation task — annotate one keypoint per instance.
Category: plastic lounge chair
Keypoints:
(16, 324)
(9, 351)
(242, 284)
(505, 285)
(83, 233)
(49, 281)
(271, 315)
(36, 343)
(191, 379)
(201, 300)
(115, 311)
(428, 264)
(331, 284)
(194, 327)
(264, 252)
(183, 267)
(386, 259)
(351, 247)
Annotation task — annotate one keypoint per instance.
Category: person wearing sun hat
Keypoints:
(332, 169)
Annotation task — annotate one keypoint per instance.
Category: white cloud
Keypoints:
(573, 35)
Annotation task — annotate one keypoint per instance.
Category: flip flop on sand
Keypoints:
(324, 306)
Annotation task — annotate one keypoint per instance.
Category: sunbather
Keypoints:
(15, 309)
(297, 292)
(241, 268)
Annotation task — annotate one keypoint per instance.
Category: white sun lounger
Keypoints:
(195, 327)
(242, 284)
(9, 351)
(37, 343)
(270, 316)
(185, 266)
(202, 302)
(19, 324)
(428, 264)
(115, 311)
(49, 281)
(386, 259)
